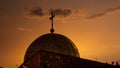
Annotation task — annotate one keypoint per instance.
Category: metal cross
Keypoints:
(51, 18)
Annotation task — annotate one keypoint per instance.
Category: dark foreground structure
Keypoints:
(57, 51)
(44, 59)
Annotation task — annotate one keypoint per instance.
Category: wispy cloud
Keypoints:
(35, 12)
(40, 12)
(23, 29)
(67, 12)
(61, 12)
(110, 10)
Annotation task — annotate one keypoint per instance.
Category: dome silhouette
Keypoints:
(52, 42)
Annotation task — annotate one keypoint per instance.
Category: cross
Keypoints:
(51, 18)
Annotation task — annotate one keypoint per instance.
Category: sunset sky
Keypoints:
(93, 25)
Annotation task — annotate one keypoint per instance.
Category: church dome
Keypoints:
(52, 42)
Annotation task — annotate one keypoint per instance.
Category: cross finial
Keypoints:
(51, 18)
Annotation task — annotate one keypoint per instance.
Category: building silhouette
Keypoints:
(57, 51)
(54, 50)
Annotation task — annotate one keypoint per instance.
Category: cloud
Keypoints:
(61, 12)
(23, 29)
(110, 10)
(39, 12)
(35, 12)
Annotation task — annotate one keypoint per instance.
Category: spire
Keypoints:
(51, 18)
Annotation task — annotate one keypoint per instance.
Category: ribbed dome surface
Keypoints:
(56, 43)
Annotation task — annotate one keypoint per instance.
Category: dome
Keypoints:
(56, 43)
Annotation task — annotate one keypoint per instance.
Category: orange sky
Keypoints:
(93, 25)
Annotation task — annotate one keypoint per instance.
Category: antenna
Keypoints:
(51, 18)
